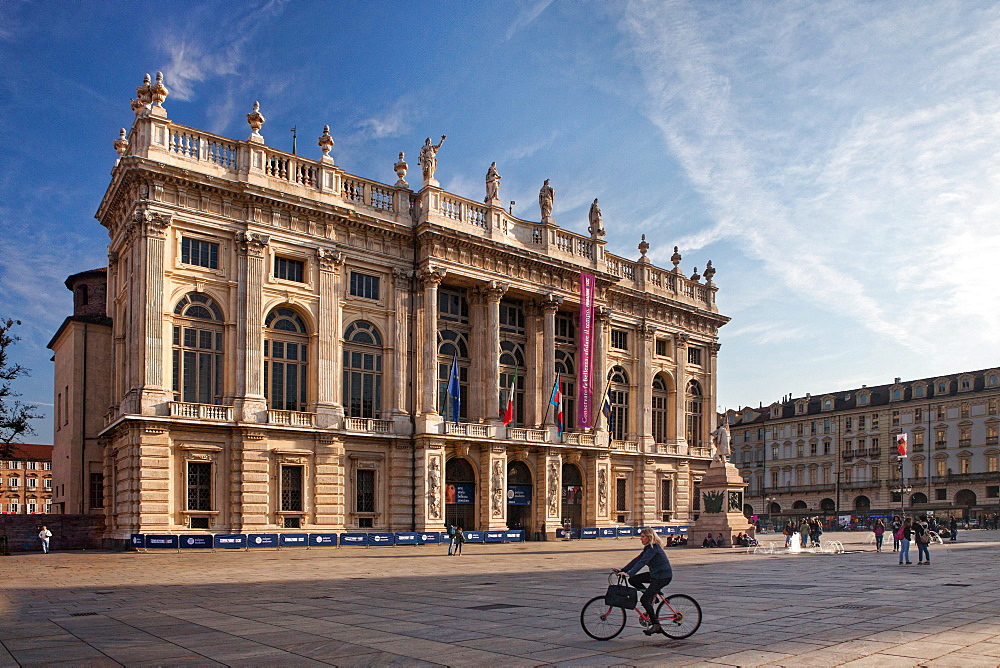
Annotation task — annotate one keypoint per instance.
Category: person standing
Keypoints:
(923, 536)
(905, 533)
(44, 535)
(459, 540)
(451, 539)
(953, 530)
(896, 525)
(879, 531)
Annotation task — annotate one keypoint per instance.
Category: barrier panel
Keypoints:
(475, 536)
(629, 531)
(573, 533)
(406, 538)
(262, 540)
(293, 540)
(588, 533)
(354, 540)
(379, 538)
(494, 536)
(164, 542)
(139, 541)
(607, 532)
(196, 542)
(424, 537)
(323, 539)
(514, 535)
(231, 541)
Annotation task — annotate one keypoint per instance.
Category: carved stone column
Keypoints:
(250, 405)
(602, 327)
(429, 418)
(647, 333)
(551, 481)
(680, 409)
(494, 481)
(150, 229)
(710, 400)
(478, 389)
(494, 293)
(329, 402)
(396, 406)
(550, 305)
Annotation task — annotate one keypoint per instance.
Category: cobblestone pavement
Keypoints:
(510, 605)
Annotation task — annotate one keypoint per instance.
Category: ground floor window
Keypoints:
(199, 486)
(291, 488)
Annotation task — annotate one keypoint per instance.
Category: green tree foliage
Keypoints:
(15, 416)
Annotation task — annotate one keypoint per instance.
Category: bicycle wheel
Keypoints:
(600, 621)
(679, 617)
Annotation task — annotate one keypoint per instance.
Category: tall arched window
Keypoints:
(512, 373)
(362, 370)
(618, 397)
(660, 412)
(566, 368)
(452, 343)
(197, 350)
(285, 358)
(693, 403)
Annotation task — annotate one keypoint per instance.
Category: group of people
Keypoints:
(712, 541)
(810, 529)
(745, 540)
(905, 531)
(456, 539)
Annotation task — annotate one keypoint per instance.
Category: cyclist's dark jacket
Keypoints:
(653, 556)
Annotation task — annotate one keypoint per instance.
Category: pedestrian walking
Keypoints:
(879, 531)
(904, 535)
(459, 540)
(923, 536)
(44, 535)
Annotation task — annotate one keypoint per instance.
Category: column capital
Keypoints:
(150, 223)
(681, 339)
(713, 348)
(647, 330)
(401, 279)
(602, 313)
(550, 302)
(330, 259)
(495, 290)
(251, 244)
(432, 276)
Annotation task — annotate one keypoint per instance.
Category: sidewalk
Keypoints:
(510, 605)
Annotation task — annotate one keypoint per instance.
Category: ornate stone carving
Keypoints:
(253, 435)
(112, 258)
(647, 330)
(256, 120)
(251, 243)
(428, 159)
(602, 314)
(432, 275)
(497, 488)
(553, 500)
(401, 168)
(709, 272)
(546, 197)
(145, 96)
(325, 142)
(681, 339)
(713, 348)
(643, 247)
(602, 491)
(676, 259)
(551, 302)
(150, 223)
(696, 276)
(401, 279)
(329, 259)
(158, 92)
(121, 144)
(434, 488)
(596, 228)
(492, 183)
(495, 290)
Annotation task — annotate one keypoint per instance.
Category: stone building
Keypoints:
(285, 334)
(837, 451)
(26, 480)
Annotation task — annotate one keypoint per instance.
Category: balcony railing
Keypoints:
(200, 411)
(469, 429)
(700, 452)
(532, 435)
(291, 418)
(369, 425)
(625, 446)
(577, 438)
(667, 448)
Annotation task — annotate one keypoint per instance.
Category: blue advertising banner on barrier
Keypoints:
(588, 533)
(406, 538)
(354, 539)
(323, 540)
(425, 537)
(494, 536)
(682, 529)
(514, 535)
(380, 538)
(231, 541)
(628, 531)
(607, 532)
(474, 536)
(573, 533)
(262, 540)
(293, 540)
(166, 542)
(195, 542)
(138, 540)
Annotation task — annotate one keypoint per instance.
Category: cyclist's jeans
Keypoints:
(648, 593)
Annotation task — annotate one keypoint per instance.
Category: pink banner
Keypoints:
(585, 386)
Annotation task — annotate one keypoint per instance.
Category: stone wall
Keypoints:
(69, 532)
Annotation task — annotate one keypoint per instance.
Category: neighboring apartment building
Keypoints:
(26, 479)
(285, 334)
(837, 452)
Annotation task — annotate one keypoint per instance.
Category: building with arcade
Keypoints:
(287, 342)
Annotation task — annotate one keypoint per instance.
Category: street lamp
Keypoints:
(902, 489)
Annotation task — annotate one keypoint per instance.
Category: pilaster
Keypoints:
(329, 402)
(680, 409)
(647, 333)
(149, 229)
(428, 418)
(250, 405)
(329, 482)
(494, 293)
(397, 409)
(494, 480)
(602, 327)
(550, 305)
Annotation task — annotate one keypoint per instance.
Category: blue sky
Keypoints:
(839, 162)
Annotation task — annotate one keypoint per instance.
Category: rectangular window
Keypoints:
(32, 482)
(661, 347)
(199, 253)
(992, 491)
(991, 434)
(291, 488)
(565, 328)
(941, 494)
(47, 466)
(895, 418)
(918, 470)
(364, 285)
(694, 355)
(14, 482)
(941, 467)
(918, 414)
(964, 465)
(861, 422)
(826, 448)
(621, 496)
(47, 483)
(874, 421)
(96, 490)
(199, 486)
(812, 448)
(512, 318)
(940, 413)
(964, 411)
(288, 269)
(991, 407)
(15, 507)
(940, 439)
(774, 478)
(365, 490)
(452, 306)
(619, 339)
(848, 424)
(827, 426)
(665, 495)
(964, 436)
(32, 466)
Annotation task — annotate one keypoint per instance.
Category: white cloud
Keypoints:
(391, 122)
(526, 16)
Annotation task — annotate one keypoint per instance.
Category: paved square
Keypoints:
(510, 605)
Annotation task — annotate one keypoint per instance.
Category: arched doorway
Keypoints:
(918, 497)
(460, 493)
(748, 511)
(862, 504)
(827, 506)
(519, 496)
(799, 505)
(775, 508)
(966, 497)
(572, 495)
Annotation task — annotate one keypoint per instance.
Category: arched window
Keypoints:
(362, 370)
(452, 343)
(661, 413)
(566, 368)
(512, 373)
(285, 360)
(618, 389)
(197, 350)
(693, 404)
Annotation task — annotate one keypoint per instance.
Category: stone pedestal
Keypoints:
(721, 505)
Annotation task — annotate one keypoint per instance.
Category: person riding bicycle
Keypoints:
(658, 576)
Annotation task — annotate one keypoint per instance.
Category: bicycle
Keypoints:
(679, 615)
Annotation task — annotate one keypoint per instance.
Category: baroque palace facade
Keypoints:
(283, 334)
(837, 452)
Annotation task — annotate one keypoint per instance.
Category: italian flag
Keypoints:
(508, 413)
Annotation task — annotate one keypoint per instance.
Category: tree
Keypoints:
(15, 416)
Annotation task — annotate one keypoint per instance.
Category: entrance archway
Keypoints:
(966, 497)
(519, 496)
(918, 497)
(572, 495)
(799, 505)
(827, 506)
(862, 503)
(460, 493)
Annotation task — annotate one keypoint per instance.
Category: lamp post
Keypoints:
(902, 489)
